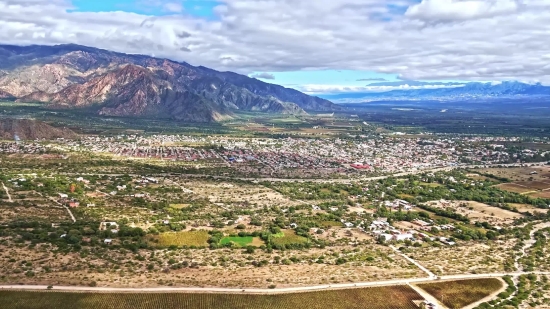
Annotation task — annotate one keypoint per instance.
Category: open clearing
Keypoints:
(477, 258)
(479, 211)
(514, 187)
(539, 173)
(461, 293)
(243, 241)
(542, 194)
(527, 208)
(191, 238)
(288, 238)
(402, 297)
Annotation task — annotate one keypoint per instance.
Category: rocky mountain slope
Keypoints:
(109, 83)
(27, 129)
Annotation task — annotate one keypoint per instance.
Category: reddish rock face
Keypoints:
(71, 76)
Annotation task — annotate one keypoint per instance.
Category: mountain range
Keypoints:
(116, 84)
(449, 92)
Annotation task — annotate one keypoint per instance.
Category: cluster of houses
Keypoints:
(381, 229)
(399, 204)
(65, 200)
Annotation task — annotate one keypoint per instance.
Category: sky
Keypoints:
(316, 46)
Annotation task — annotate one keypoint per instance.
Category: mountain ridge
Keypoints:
(117, 84)
(469, 91)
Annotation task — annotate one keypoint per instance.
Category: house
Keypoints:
(360, 166)
(90, 205)
(421, 223)
(74, 204)
(81, 179)
(446, 241)
(315, 207)
(165, 222)
(386, 237)
(63, 195)
(401, 237)
(63, 236)
(348, 224)
(108, 241)
(103, 225)
(293, 225)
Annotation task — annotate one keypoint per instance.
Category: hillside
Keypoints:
(115, 84)
(27, 129)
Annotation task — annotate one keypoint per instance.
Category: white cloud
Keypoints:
(174, 7)
(452, 10)
(263, 76)
(334, 89)
(434, 40)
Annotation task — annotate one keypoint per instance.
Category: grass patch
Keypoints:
(241, 241)
(328, 224)
(179, 206)
(461, 293)
(191, 238)
(401, 296)
(430, 184)
(288, 238)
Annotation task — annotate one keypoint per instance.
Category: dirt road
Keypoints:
(424, 269)
(269, 291)
(7, 192)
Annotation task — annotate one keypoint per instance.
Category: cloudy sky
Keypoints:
(317, 46)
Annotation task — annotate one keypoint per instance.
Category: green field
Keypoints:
(241, 241)
(393, 297)
(179, 206)
(288, 238)
(191, 238)
(461, 293)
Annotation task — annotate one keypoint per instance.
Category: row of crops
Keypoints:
(460, 293)
(392, 297)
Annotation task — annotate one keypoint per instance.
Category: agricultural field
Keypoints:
(479, 212)
(533, 181)
(243, 241)
(461, 293)
(234, 195)
(527, 208)
(288, 237)
(188, 238)
(519, 174)
(392, 297)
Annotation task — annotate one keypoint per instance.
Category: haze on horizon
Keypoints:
(319, 47)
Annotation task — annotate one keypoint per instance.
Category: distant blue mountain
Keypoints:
(454, 92)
